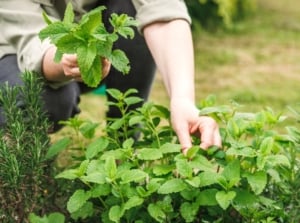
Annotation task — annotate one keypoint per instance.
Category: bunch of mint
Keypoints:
(90, 40)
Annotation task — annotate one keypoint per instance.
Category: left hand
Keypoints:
(186, 121)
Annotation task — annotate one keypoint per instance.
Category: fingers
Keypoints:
(70, 66)
(72, 71)
(184, 138)
(106, 65)
(204, 127)
(209, 132)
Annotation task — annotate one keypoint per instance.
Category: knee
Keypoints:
(61, 104)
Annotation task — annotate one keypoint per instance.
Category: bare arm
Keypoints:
(172, 48)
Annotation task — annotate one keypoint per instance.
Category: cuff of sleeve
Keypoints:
(161, 11)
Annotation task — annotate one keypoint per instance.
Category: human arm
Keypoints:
(172, 48)
(168, 36)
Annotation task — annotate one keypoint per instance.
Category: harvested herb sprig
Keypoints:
(90, 40)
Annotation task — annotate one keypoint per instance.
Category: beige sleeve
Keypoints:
(149, 11)
(20, 24)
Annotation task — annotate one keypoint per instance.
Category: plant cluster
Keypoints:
(23, 145)
(252, 178)
(90, 41)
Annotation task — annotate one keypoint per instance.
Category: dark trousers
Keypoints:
(62, 103)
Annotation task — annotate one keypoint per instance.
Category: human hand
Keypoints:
(186, 121)
(71, 69)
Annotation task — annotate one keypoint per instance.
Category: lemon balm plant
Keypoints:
(90, 40)
(251, 179)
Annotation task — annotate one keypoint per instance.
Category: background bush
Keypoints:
(219, 13)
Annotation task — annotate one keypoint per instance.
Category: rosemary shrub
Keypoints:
(22, 149)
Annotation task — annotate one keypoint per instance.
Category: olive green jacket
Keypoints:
(21, 21)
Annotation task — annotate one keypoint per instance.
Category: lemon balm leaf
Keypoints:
(86, 55)
(120, 61)
(46, 18)
(69, 15)
(90, 64)
(91, 21)
(54, 32)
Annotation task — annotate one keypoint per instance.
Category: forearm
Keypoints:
(172, 48)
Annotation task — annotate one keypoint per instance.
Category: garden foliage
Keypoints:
(212, 14)
(252, 178)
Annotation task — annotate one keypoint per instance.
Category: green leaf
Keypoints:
(36, 219)
(244, 152)
(170, 148)
(153, 184)
(133, 202)
(100, 190)
(232, 172)
(172, 186)
(58, 56)
(96, 177)
(275, 160)
(83, 167)
(207, 197)
(115, 93)
(87, 210)
(245, 199)
(233, 128)
(202, 163)
(137, 119)
(70, 174)
(225, 198)
(111, 167)
(257, 181)
(69, 14)
(46, 18)
(162, 169)
(120, 61)
(208, 178)
(88, 129)
(86, 55)
(192, 152)
(77, 200)
(194, 182)
(54, 31)
(184, 168)
(95, 147)
(53, 217)
(156, 212)
(69, 44)
(133, 176)
(266, 146)
(90, 65)
(92, 21)
(115, 213)
(57, 147)
(189, 211)
(149, 154)
(132, 100)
